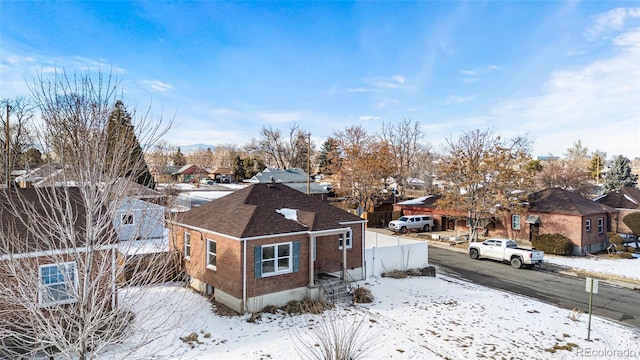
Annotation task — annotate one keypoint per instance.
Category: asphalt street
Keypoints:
(614, 302)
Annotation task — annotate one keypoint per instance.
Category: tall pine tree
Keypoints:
(120, 133)
(619, 175)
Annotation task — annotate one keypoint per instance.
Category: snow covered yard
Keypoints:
(623, 268)
(412, 318)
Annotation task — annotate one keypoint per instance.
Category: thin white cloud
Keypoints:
(389, 82)
(598, 104)
(614, 19)
(479, 70)
(361, 90)
(368, 117)
(157, 85)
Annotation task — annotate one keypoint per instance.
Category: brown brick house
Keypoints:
(42, 264)
(626, 201)
(550, 211)
(265, 245)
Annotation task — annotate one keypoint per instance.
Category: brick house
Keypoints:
(265, 245)
(626, 201)
(190, 173)
(34, 251)
(550, 211)
(558, 211)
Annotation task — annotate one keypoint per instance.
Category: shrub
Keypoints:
(553, 244)
(617, 240)
(396, 274)
(362, 295)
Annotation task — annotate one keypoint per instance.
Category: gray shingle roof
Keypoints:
(559, 201)
(625, 198)
(252, 212)
(41, 216)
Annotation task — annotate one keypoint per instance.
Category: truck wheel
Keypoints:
(403, 230)
(516, 262)
(426, 228)
(473, 253)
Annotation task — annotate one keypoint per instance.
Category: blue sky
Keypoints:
(557, 71)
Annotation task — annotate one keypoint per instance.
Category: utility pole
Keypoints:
(309, 163)
(7, 140)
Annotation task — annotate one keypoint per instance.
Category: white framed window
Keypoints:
(127, 219)
(600, 225)
(276, 259)
(58, 283)
(211, 254)
(587, 225)
(187, 245)
(515, 222)
(348, 240)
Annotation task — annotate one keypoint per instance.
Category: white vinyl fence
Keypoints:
(385, 253)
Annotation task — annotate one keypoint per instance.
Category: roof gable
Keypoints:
(554, 200)
(33, 206)
(625, 198)
(254, 211)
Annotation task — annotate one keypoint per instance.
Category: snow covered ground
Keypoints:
(412, 318)
(624, 268)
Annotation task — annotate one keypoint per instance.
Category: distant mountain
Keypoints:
(187, 149)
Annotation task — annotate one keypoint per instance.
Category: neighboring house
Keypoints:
(558, 211)
(223, 175)
(163, 174)
(49, 262)
(626, 201)
(294, 178)
(36, 176)
(137, 219)
(550, 211)
(143, 241)
(190, 173)
(442, 220)
(141, 192)
(266, 244)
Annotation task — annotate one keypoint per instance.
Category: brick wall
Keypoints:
(229, 273)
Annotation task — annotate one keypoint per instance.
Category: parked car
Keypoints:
(506, 250)
(412, 222)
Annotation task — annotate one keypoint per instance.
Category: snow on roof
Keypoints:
(416, 201)
(630, 199)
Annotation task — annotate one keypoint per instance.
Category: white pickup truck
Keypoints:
(412, 222)
(506, 250)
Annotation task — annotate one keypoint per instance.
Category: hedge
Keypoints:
(555, 244)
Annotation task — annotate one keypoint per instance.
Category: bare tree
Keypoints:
(58, 291)
(404, 138)
(289, 152)
(365, 164)
(20, 112)
(563, 174)
(483, 173)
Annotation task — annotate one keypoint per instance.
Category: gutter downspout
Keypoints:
(344, 253)
(311, 274)
(363, 241)
(244, 276)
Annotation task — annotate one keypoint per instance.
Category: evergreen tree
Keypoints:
(178, 158)
(120, 131)
(32, 158)
(620, 175)
(328, 157)
(238, 170)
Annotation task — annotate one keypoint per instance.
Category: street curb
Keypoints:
(550, 267)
